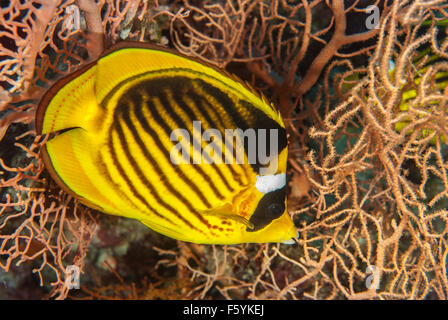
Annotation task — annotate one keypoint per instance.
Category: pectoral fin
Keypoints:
(227, 211)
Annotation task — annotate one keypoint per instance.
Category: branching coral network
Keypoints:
(369, 185)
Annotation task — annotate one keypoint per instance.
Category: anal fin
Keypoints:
(68, 158)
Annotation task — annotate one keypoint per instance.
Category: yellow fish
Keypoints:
(188, 150)
(409, 90)
(425, 59)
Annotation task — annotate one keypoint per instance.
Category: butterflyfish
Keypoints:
(187, 149)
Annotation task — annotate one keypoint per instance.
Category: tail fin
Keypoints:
(65, 104)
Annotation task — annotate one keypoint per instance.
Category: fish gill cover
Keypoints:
(367, 176)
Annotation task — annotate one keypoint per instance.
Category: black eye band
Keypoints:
(270, 207)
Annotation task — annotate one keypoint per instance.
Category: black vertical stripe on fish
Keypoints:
(191, 117)
(146, 153)
(106, 171)
(433, 61)
(179, 122)
(263, 122)
(128, 182)
(179, 99)
(206, 107)
(441, 79)
(137, 171)
(226, 103)
(253, 115)
(197, 101)
(257, 119)
(217, 170)
(155, 114)
(168, 185)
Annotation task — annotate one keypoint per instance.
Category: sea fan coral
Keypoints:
(370, 201)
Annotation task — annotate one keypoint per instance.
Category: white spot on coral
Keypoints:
(266, 184)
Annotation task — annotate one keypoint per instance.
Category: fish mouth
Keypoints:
(292, 240)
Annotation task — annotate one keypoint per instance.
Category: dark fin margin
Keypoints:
(49, 167)
(50, 93)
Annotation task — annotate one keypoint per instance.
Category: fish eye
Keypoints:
(270, 207)
(275, 210)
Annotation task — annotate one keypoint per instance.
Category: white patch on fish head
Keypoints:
(269, 183)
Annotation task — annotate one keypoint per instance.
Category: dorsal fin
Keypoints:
(63, 106)
(129, 59)
(117, 64)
